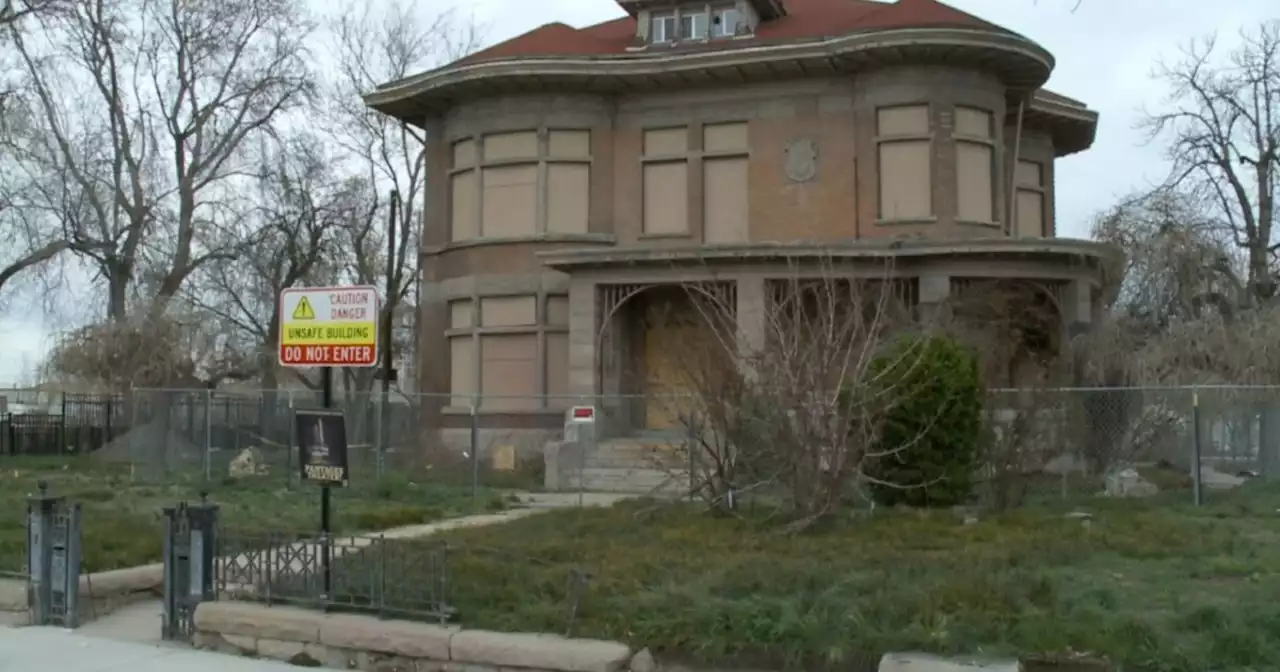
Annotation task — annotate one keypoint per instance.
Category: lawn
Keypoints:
(122, 513)
(1152, 584)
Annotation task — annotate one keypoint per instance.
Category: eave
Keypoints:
(1020, 63)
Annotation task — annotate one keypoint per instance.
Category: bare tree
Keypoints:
(288, 239)
(1180, 265)
(800, 414)
(1221, 123)
(388, 153)
(144, 107)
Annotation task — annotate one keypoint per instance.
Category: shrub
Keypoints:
(928, 448)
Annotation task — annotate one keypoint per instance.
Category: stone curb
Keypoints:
(249, 626)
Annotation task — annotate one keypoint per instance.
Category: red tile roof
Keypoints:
(805, 20)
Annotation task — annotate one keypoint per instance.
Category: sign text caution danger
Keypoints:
(329, 326)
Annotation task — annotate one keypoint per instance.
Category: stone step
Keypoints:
(632, 481)
(623, 454)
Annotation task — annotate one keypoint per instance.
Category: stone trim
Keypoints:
(349, 641)
(570, 260)
(602, 238)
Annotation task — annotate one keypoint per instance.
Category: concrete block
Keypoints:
(919, 662)
(549, 652)
(401, 638)
(254, 620)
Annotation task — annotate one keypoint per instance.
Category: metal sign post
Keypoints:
(327, 327)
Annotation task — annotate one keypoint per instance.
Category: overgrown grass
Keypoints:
(1153, 585)
(122, 515)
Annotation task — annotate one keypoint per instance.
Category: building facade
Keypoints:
(579, 176)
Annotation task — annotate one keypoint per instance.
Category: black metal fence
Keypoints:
(371, 574)
(367, 574)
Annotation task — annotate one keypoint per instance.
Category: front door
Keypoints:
(672, 335)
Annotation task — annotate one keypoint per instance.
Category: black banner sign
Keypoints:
(322, 447)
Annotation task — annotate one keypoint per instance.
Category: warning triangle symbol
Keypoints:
(304, 311)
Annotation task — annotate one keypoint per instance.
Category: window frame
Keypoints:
(989, 141)
(926, 138)
(716, 29)
(667, 26)
(475, 332)
(669, 23)
(1037, 187)
(542, 161)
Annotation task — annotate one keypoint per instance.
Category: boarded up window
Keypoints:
(725, 137)
(463, 223)
(666, 141)
(666, 198)
(906, 189)
(508, 371)
(568, 189)
(462, 374)
(464, 153)
(906, 120)
(518, 145)
(1030, 205)
(508, 311)
(460, 314)
(1030, 213)
(558, 311)
(557, 366)
(725, 200)
(569, 144)
(1030, 174)
(974, 167)
(972, 122)
(510, 201)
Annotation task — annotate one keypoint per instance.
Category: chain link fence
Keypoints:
(1041, 445)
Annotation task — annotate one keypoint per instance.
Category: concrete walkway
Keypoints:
(26, 649)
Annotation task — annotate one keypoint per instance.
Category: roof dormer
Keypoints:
(672, 22)
(765, 10)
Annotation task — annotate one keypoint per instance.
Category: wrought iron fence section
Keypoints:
(369, 574)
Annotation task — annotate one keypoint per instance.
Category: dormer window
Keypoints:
(724, 22)
(664, 28)
(694, 23)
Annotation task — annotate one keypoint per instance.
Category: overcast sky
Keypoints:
(1105, 51)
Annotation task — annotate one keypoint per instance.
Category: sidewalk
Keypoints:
(26, 649)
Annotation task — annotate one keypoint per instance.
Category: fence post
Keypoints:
(208, 434)
(475, 448)
(204, 548)
(53, 559)
(1196, 495)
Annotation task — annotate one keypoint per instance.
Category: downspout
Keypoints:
(1012, 194)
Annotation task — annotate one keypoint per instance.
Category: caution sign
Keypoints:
(304, 311)
(329, 326)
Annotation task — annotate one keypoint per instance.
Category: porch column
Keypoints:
(934, 291)
(1077, 308)
(751, 318)
(583, 324)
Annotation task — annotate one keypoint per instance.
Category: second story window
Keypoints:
(693, 25)
(724, 22)
(664, 28)
(696, 23)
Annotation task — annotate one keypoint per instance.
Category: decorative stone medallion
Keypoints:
(802, 160)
